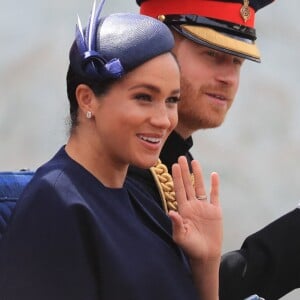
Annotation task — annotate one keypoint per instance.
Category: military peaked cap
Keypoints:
(227, 26)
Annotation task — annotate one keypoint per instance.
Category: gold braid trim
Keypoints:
(165, 185)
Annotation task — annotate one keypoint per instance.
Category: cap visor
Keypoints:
(220, 41)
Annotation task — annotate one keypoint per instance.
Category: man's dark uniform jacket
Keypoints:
(268, 263)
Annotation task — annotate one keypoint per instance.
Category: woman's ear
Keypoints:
(85, 97)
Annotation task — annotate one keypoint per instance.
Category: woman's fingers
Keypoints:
(186, 177)
(177, 225)
(198, 181)
(183, 186)
(214, 192)
(178, 184)
(185, 189)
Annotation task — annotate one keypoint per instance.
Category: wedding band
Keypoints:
(201, 197)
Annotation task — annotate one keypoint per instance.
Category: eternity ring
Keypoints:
(201, 197)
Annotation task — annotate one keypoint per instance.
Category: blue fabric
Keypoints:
(11, 187)
(254, 297)
(71, 237)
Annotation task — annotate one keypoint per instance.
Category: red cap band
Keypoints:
(225, 11)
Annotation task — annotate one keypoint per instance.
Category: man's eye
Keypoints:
(238, 61)
(212, 53)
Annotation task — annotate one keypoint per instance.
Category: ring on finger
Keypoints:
(201, 197)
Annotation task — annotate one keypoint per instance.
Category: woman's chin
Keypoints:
(146, 163)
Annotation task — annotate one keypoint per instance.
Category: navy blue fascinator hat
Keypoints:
(111, 46)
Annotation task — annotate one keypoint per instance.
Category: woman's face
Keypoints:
(133, 120)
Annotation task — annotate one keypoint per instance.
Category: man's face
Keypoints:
(209, 82)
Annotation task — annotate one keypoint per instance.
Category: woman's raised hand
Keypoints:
(197, 226)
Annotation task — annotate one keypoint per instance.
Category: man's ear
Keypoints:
(85, 97)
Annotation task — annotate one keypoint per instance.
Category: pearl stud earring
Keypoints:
(89, 114)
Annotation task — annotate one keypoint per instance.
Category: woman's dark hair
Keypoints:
(73, 80)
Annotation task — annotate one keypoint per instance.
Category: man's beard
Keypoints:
(190, 113)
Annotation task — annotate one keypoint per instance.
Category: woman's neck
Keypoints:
(100, 165)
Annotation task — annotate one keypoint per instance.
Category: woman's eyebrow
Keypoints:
(146, 86)
(152, 88)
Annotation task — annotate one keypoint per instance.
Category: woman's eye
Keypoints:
(173, 100)
(143, 97)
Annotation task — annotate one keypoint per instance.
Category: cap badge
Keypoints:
(161, 18)
(245, 11)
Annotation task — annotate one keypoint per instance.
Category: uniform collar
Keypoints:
(174, 147)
